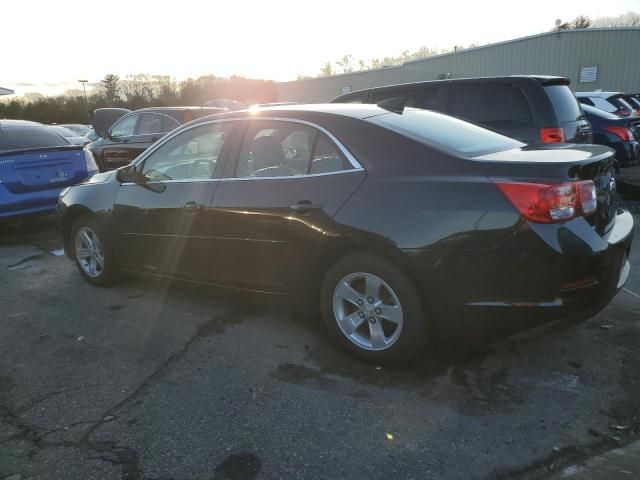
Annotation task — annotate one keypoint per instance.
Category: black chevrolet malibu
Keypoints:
(398, 225)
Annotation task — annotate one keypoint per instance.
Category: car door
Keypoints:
(119, 144)
(163, 219)
(287, 183)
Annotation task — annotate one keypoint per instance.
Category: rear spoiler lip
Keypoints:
(60, 148)
(546, 82)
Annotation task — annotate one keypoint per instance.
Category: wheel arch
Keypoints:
(71, 214)
(308, 283)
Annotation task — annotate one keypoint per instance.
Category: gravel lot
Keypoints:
(148, 380)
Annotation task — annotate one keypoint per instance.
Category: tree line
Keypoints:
(136, 91)
(348, 63)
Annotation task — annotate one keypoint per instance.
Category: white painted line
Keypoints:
(59, 252)
(632, 293)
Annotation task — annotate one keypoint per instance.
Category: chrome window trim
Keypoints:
(235, 179)
(357, 167)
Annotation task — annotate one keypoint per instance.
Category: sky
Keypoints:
(48, 46)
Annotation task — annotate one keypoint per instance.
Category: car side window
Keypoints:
(287, 149)
(326, 157)
(585, 100)
(169, 124)
(149, 123)
(190, 155)
(125, 127)
(489, 102)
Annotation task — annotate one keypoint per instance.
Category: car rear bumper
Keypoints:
(542, 273)
(13, 205)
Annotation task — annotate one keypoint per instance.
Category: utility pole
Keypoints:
(83, 82)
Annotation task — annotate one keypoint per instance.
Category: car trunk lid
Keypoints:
(30, 170)
(560, 164)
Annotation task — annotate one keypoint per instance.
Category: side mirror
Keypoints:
(129, 174)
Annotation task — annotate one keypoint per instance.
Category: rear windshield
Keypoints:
(565, 103)
(445, 133)
(620, 102)
(20, 138)
(596, 112)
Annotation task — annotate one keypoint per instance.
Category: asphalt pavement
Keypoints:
(151, 380)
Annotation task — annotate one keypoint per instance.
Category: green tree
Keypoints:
(326, 70)
(110, 83)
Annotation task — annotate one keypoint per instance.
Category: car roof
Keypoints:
(542, 79)
(356, 111)
(18, 123)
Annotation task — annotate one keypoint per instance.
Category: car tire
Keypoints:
(382, 306)
(92, 253)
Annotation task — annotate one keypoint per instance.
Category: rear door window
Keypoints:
(488, 102)
(169, 124)
(149, 123)
(565, 103)
(287, 149)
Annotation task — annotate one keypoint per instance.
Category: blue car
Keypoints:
(36, 164)
(623, 135)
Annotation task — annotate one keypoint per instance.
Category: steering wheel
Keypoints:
(275, 171)
(201, 169)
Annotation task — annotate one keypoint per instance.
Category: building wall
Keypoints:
(615, 51)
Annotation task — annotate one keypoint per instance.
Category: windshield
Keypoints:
(19, 138)
(445, 133)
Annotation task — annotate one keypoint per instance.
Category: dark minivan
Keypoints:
(134, 132)
(531, 108)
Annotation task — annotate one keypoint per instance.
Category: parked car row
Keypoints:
(400, 224)
(533, 109)
(620, 104)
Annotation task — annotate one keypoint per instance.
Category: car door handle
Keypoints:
(305, 206)
(192, 207)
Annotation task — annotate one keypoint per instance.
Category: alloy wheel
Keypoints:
(368, 311)
(89, 252)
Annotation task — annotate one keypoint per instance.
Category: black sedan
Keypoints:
(400, 226)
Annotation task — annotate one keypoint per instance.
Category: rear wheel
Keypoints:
(91, 252)
(373, 309)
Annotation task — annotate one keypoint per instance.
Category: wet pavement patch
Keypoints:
(217, 324)
(238, 466)
(301, 375)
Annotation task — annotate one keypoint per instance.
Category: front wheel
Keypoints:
(92, 253)
(373, 309)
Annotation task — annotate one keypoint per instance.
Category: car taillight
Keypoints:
(622, 132)
(551, 203)
(552, 135)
